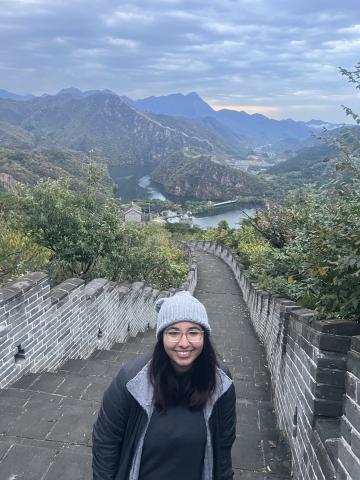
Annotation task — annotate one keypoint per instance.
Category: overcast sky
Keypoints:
(276, 57)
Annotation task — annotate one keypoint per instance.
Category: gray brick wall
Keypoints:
(311, 369)
(349, 445)
(40, 328)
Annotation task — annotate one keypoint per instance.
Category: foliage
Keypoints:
(353, 77)
(18, 254)
(184, 231)
(145, 253)
(251, 247)
(84, 235)
(157, 205)
(29, 166)
(71, 224)
(200, 177)
(222, 234)
(307, 249)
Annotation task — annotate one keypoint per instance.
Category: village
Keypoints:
(135, 214)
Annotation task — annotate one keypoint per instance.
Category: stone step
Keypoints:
(79, 379)
(49, 415)
(46, 460)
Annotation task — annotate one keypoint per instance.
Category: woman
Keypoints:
(169, 416)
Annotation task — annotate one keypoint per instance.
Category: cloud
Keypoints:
(121, 42)
(352, 30)
(120, 17)
(343, 45)
(266, 54)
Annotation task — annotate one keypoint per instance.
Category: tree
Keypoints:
(73, 224)
(353, 77)
(18, 254)
(144, 253)
(84, 235)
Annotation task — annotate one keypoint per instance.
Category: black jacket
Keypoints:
(122, 422)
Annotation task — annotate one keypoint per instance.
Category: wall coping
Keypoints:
(16, 288)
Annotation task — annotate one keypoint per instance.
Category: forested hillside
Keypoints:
(101, 122)
(29, 166)
(199, 177)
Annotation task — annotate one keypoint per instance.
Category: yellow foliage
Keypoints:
(319, 271)
(18, 254)
(250, 243)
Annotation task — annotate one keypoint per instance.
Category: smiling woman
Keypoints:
(171, 415)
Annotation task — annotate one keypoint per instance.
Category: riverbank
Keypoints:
(135, 184)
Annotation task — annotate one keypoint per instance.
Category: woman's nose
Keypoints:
(183, 342)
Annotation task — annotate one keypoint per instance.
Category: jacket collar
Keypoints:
(142, 390)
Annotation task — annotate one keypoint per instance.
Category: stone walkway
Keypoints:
(46, 419)
(259, 452)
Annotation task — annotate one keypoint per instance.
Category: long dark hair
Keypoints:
(191, 389)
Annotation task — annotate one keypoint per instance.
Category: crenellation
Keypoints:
(94, 288)
(314, 364)
(53, 325)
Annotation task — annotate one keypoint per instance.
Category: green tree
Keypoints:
(73, 224)
(144, 253)
(18, 254)
(84, 234)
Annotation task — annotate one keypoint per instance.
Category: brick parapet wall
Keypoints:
(40, 327)
(349, 445)
(308, 364)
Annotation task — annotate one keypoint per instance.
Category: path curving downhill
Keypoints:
(259, 452)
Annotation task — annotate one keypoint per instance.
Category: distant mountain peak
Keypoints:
(87, 93)
(14, 96)
(195, 95)
(71, 90)
(178, 104)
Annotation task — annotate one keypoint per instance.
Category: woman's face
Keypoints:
(183, 342)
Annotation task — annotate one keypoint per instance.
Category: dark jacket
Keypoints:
(125, 413)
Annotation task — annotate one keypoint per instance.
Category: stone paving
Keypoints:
(259, 452)
(46, 419)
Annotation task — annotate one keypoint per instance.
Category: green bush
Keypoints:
(317, 262)
(83, 235)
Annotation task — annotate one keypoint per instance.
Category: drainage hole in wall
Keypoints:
(20, 354)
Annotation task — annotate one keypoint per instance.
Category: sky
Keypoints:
(280, 58)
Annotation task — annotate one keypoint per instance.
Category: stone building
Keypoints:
(186, 218)
(133, 214)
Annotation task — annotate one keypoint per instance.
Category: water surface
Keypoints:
(135, 183)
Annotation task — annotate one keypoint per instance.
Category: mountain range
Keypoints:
(101, 122)
(250, 129)
(122, 131)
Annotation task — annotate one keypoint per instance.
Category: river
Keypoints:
(135, 183)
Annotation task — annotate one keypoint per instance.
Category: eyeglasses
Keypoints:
(193, 336)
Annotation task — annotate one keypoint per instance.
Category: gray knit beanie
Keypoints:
(180, 307)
